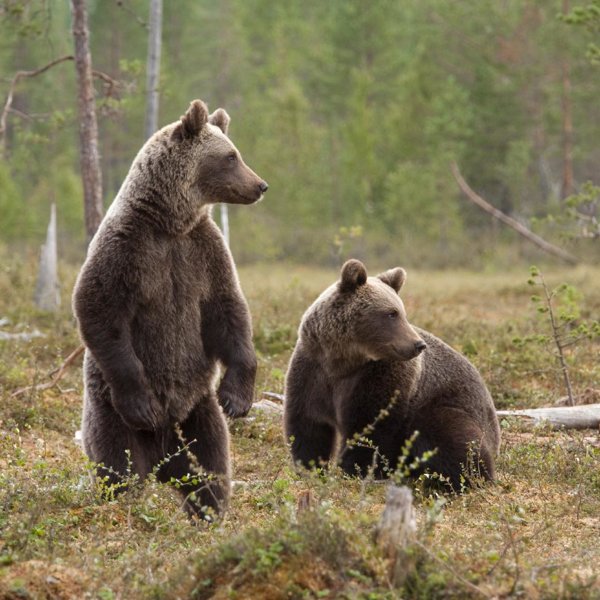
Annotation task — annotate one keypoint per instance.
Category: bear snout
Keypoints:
(419, 347)
(263, 186)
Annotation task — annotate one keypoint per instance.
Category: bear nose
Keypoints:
(420, 346)
(263, 186)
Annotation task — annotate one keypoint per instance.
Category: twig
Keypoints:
(557, 340)
(19, 75)
(112, 83)
(518, 227)
(460, 578)
(56, 374)
(513, 546)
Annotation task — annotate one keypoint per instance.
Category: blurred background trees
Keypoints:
(351, 110)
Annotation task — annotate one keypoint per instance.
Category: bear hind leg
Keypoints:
(199, 461)
(312, 444)
(118, 452)
(462, 455)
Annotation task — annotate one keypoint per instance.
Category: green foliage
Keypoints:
(351, 111)
(587, 16)
(559, 310)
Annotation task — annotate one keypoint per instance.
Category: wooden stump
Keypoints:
(396, 532)
(47, 295)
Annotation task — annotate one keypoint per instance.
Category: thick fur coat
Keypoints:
(160, 310)
(358, 355)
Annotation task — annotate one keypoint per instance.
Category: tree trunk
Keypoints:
(88, 127)
(153, 67)
(567, 124)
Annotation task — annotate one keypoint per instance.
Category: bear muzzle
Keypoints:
(420, 345)
(255, 194)
(408, 351)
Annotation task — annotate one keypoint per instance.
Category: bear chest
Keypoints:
(176, 277)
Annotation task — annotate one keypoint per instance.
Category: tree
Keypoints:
(153, 67)
(88, 126)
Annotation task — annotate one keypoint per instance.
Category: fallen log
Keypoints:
(581, 416)
(559, 417)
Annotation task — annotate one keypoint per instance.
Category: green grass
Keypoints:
(535, 533)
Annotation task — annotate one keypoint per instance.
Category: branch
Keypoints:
(56, 374)
(111, 84)
(20, 75)
(518, 227)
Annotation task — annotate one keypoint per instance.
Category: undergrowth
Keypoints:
(288, 534)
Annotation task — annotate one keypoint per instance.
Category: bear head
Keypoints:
(364, 317)
(188, 165)
(216, 171)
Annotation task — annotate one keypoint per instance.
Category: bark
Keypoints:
(88, 129)
(518, 227)
(567, 125)
(153, 67)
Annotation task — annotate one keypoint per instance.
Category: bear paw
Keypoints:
(140, 410)
(234, 404)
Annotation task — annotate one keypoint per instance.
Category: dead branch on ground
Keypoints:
(56, 374)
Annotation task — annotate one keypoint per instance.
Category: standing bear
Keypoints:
(160, 310)
(356, 356)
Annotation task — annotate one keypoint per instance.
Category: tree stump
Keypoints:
(396, 533)
(47, 295)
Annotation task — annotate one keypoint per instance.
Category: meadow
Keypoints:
(534, 533)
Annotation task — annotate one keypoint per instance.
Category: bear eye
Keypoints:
(393, 314)
(232, 157)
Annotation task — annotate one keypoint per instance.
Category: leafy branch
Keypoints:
(566, 326)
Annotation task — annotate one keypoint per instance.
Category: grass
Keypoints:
(533, 534)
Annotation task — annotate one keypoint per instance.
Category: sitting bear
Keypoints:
(160, 310)
(357, 355)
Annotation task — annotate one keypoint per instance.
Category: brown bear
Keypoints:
(160, 310)
(357, 355)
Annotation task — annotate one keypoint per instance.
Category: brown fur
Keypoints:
(356, 352)
(159, 308)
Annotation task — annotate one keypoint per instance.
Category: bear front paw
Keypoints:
(140, 410)
(235, 401)
(233, 404)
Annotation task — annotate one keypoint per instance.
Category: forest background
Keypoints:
(353, 112)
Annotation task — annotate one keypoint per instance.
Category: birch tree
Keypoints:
(153, 67)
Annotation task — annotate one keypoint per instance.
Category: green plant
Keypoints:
(566, 327)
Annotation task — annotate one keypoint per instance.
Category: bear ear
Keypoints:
(193, 121)
(221, 119)
(395, 278)
(354, 274)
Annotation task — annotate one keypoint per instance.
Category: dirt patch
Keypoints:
(38, 579)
